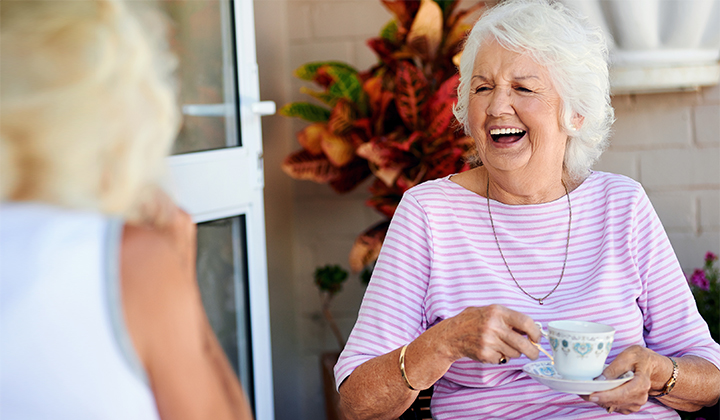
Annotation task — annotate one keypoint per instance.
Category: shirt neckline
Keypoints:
(583, 185)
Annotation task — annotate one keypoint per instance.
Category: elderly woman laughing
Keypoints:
(472, 260)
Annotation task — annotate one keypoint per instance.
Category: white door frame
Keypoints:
(229, 182)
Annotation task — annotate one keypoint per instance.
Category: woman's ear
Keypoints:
(576, 122)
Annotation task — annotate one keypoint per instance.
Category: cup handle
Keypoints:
(543, 332)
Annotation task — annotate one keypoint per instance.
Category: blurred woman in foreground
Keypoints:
(100, 311)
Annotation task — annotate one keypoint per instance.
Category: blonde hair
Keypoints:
(87, 107)
(575, 54)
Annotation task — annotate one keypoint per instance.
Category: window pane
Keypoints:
(222, 277)
(202, 38)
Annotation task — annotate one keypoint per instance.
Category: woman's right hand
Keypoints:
(489, 333)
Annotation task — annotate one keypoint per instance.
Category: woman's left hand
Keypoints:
(631, 396)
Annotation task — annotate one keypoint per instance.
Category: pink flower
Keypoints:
(698, 279)
(710, 257)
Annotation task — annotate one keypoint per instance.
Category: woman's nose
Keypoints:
(500, 103)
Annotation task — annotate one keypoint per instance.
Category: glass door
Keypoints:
(222, 276)
(217, 176)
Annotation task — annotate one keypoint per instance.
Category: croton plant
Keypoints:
(392, 122)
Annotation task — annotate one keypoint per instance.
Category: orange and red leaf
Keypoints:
(440, 108)
(339, 150)
(350, 176)
(411, 93)
(404, 10)
(367, 246)
(307, 166)
(310, 138)
(342, 117)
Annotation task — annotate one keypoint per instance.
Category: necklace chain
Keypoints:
(567, 245)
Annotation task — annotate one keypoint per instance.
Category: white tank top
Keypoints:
(64, 350)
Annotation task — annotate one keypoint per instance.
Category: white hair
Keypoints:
(87, 105)
(576, 56)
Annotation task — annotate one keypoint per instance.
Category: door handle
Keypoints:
(263, 108)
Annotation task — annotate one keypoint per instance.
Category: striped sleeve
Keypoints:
(392, 313)
(673, 326)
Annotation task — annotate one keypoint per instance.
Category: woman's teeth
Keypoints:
(501, 131)
(506, 135)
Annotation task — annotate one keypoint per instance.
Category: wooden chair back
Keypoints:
(420, 409)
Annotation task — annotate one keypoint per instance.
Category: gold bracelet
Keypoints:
(670, 384)
(402, 368)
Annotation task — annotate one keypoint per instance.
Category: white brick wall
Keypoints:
(649, 128)
(679, 168)
(709, 211)
(669, 142)
(707, 125)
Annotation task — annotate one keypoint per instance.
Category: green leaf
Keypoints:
(309, 71)
(347, 85)
(389, 31)
(306, 111)
(324, 97)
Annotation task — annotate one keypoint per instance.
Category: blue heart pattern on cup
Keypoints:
(582, 348)
(553, 343)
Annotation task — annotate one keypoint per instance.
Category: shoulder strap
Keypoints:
(113, 239)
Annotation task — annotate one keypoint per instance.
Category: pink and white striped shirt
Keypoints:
(440, 257)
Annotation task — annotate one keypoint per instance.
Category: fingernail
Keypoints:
(594, 399)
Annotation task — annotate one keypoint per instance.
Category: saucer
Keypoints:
(544, 372)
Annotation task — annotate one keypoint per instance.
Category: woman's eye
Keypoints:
(523, 89)
(481, 89)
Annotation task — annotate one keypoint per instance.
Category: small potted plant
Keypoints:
(329, 280)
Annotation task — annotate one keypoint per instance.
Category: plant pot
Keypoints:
(332, 398)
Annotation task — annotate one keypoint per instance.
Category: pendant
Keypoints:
(540, 301)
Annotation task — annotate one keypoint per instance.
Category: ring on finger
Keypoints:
(503, 359)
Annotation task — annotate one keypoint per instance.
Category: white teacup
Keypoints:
(579, 347)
